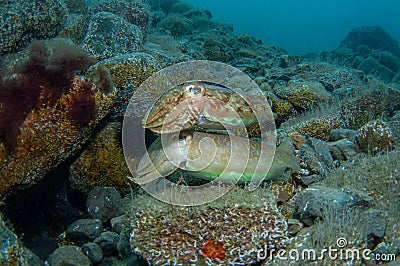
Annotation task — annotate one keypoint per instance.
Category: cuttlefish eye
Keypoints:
(193, 90)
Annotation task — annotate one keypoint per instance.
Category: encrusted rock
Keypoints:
(23, 21)
(176, 24)
(374, 224)
(102, 163)
(68, 255)
(109, 35)
(12, 250)
(84, 230)
(343, 149)
(75, 28)
(104, 203)
(372, 36)
(314, 202)
(315, 156)
(128, 71)
(108, 242)
(207, 234)
(93, 252)
(136, 12)
(342, 133)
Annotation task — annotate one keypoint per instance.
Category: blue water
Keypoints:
(302, 26)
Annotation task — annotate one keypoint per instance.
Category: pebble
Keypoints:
(93, 252)
(108, 242)
(68, 255)
(104, 203)
(84, 230)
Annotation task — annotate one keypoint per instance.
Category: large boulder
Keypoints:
(373, 37)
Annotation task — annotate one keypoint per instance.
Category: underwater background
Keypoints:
(303, 26)
(328, 72)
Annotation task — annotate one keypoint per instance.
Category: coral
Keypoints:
(23, 21)
(375, 136)
(136, 12)
(320, 128)
(370, 105)
(282, 108)
(40, 80)
(230, 230)
(47, 137)
(125, 38)
(303, 95)
(102, 163)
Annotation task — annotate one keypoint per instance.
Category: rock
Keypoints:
(109, 35)
(343, 149)
(124, 247)
(387, 59)
(104, 203)
(23, 21)
(135, 12)
(117, 224)
(372, 66)
(363, 50)
(109, 261)
(83, 230)
(12, 250)
(315, 154)
(359, 198)
(128, 71)
(311, 179)
(102, 163)
(314, 202)
(342, 133)
(180, 8)
(294, 226)
(68, 255)
(93, 252)
(344, 54)
(374, 222)
(108, 242)
(373, 37)
(76, 6)
(176, 25)
(75, 28)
